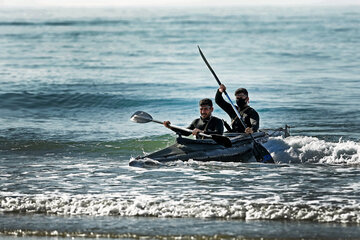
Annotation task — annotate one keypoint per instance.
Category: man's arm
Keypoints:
(179, 131)
(224, 105)
(254, 120)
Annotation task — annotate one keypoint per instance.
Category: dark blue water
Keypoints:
(71, 78)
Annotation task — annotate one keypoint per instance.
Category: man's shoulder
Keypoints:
(216, 119)
(251, 111)
(196, 120)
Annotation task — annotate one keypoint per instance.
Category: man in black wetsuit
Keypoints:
(207, 123)
(248, 114)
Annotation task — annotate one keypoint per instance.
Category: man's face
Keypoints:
(205, 111)
(241, 96)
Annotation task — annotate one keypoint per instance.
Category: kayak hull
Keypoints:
(206, 150)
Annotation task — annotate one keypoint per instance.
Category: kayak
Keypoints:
(229, 147)
(205, 150)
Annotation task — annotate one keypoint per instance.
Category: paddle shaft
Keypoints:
(227, 95)
(183, 129)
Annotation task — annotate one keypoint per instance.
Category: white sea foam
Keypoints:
(144, 162)
(158, 207)
(301, 149)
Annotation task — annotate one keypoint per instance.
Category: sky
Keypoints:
(144, 3)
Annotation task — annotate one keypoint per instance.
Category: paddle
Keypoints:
(260, 152)
(143, 117)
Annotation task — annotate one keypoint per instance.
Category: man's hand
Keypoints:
(196, 131)
(222, 88)
(249, 130)
(167, 124)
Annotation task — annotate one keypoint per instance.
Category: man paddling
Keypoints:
(207, 123)
(249, 115)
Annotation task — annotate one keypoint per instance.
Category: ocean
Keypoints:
(70, 79)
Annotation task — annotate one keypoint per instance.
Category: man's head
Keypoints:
(242, 97)
(241, 91)
(206, 107)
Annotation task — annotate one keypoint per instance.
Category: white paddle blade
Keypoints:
(141, 117)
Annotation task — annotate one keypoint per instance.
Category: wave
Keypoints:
(304, 149)
(62, 100)
(290, 150)
(183, 208)
(26, 100)
(96, 22)
(16, 141)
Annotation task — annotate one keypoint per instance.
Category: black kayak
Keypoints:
(207, 149)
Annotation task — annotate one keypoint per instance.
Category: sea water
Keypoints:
(70, 79)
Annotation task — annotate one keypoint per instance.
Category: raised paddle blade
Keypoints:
(261, 154)
(141, 117)
(222, 140)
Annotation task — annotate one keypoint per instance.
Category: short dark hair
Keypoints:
(206, 102)
(241, 90)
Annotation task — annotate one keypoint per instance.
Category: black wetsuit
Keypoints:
(248, 114)
(211, 125)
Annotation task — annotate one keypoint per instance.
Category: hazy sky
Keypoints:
(99, 3)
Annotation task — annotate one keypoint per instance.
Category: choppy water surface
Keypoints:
(71, 78)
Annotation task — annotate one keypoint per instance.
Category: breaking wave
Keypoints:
(303, 149)
(157, 207)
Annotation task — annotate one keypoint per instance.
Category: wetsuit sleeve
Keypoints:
(178, 131)
(192, 126)
(220, 127)
(254, 120)
(184, 133)
(224, 105)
